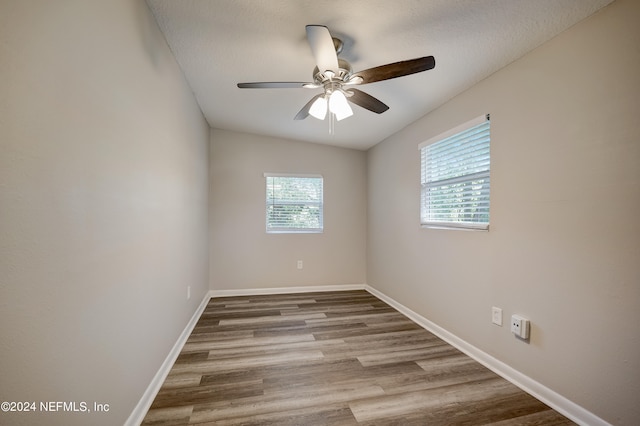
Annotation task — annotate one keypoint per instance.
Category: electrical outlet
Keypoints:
(300, 264)
(188, 292)
(520, 326)
(496, 316)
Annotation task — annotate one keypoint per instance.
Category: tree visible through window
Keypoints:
(294, 203)
(455, 177)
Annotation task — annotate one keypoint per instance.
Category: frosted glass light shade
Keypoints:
(339, 105)
(319, 108)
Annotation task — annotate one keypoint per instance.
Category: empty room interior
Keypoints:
(141, 158)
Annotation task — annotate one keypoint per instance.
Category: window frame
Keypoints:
(483, 176)
(271, 202)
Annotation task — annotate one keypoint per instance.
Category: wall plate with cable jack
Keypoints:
(520, 326)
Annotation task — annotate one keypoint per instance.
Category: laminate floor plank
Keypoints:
(424, 401)
(209, 345)
(189, 396)
(321, 397)
(346, 330)
(262, 350)
(538, 418)
(330, 358)
(170, 416)
(323, 332)
(180, 380)
(271, 318)
(252, 361)
(338, 416)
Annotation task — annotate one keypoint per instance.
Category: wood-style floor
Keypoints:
(336, 358)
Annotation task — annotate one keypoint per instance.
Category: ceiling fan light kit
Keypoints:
(336, 78)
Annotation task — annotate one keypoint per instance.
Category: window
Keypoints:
(454, 181)
(294, 203)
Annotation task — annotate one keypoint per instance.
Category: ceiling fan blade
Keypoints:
(277, 85)
(304, 112)
(322, 48)
(367, 101)
(394, 70)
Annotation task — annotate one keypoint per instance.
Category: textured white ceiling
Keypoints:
(219, 43)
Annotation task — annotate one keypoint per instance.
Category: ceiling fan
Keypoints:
(336, 78)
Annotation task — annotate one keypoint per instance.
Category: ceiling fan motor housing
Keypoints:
(344, 72)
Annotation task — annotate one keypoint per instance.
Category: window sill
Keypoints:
(457, 226)
(288, 231)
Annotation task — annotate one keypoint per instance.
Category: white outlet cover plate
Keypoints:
(496, 316)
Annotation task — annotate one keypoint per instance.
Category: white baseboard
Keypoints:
(284, 290)
(138, 413)
(556, 401)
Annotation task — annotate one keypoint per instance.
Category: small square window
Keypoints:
(294, 203)
(455, 181)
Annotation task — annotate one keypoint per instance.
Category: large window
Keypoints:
(455, 181)
(294, 203)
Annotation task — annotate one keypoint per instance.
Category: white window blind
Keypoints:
(455, 177)
(294, 203)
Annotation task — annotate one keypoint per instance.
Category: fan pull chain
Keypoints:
(331, 123)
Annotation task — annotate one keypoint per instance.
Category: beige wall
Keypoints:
(243, 255)
(103, 205)
(564, 244)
